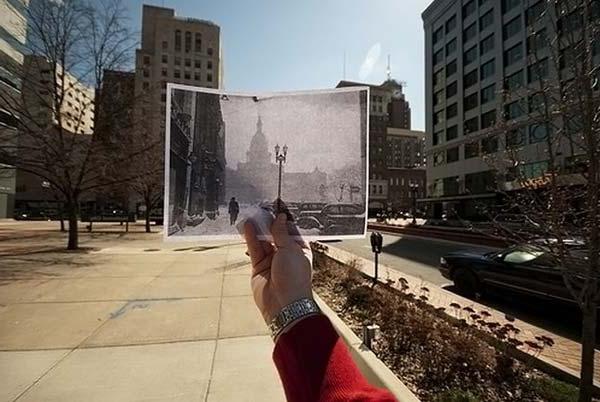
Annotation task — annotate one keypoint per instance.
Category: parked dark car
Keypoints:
(308, 215)
(528, 269)
(343, 219)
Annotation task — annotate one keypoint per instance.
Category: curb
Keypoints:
(374, 370)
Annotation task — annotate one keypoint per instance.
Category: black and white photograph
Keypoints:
(231, 157)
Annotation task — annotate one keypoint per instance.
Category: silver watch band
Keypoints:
(291, 313)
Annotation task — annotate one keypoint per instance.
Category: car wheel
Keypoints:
(466, 283)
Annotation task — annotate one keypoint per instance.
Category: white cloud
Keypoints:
(370, 61)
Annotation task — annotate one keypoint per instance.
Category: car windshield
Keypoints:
(523, 254)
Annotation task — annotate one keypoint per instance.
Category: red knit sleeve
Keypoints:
(315, 365)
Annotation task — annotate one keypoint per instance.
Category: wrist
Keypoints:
(291, 314)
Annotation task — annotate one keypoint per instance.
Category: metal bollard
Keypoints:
(370, 335)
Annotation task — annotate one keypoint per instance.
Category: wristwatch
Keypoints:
(291, 313)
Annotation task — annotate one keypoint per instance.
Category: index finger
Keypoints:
(257, 249)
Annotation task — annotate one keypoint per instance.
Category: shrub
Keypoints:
(456, 395)
(552, 390)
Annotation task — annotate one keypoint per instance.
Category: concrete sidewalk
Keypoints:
(133, 321)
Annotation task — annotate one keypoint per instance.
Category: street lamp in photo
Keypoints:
(414, 188)
(280, 158)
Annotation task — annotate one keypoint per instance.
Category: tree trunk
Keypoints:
(147, 216)
(588, 343)
(73, 243)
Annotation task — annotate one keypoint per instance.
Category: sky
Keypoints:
(323, 128)
(283, 45)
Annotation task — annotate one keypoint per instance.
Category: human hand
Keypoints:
(281, 273)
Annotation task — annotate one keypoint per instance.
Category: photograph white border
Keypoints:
(196, 238)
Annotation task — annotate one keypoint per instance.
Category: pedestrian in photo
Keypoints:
(234, 210)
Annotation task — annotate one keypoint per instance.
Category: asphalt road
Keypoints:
(420, 258)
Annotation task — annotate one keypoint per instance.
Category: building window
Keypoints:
(197, 64)
(535, 12)
(508, 5)
(450, 47)
(451, 185)
(438, 35)
(481, 182)
(146, 73)
(188, 62)
(209, 64)
(488, 119)
(451, 90)
(451, 133)
(514, 81)
(438, 77)
(515, 138)
(146, 85)
(209, 77)
(452, 155)
(451, 24)
(438, 97)
(177, 74)
(511, 28)
(513, 110)
(570, 22)
(188, 41)
(198, 42)
(471, 101)
(438, 117)
(178, 40)
(438, 138)
(470, 55)
(165, 45)
(439, 158)
(471, 125)
(537, 103)
(488, 69)
(438, 56)
(451, 68)
(537, 41)
(488, 94)
(146, 60)
(486, 20)
(489, 145)
(534, 169)
(470, 79)
(486, 45)
(164, 72)
(469, 8)
(187, 75)
(539, 133)
(471, 150)
(177, 60)
(451, 111)
(537, 71)
(513, 55)
(470, 32)
(165, 58)
(209, 51)
(197, 76)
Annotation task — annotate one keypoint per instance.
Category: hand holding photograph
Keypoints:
(233, 157)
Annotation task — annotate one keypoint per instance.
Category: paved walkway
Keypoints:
(133, 321)
(565, 353)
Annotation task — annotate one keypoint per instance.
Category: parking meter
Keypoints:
(376, 245)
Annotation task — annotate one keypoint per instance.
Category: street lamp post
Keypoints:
(414, 188)
(280, 158)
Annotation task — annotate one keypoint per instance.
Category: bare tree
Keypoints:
(71, 42)
(557, 106)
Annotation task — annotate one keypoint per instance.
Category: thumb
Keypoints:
(279, 229)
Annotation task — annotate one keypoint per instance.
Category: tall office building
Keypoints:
(481, 57)
(395, 151)
(13, 35)
(177, 50)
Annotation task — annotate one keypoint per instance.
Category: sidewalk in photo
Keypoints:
(565, 354)
(133, 321)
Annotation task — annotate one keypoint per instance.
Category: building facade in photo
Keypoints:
(394, 149)
(481, 60)
(13, 36)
